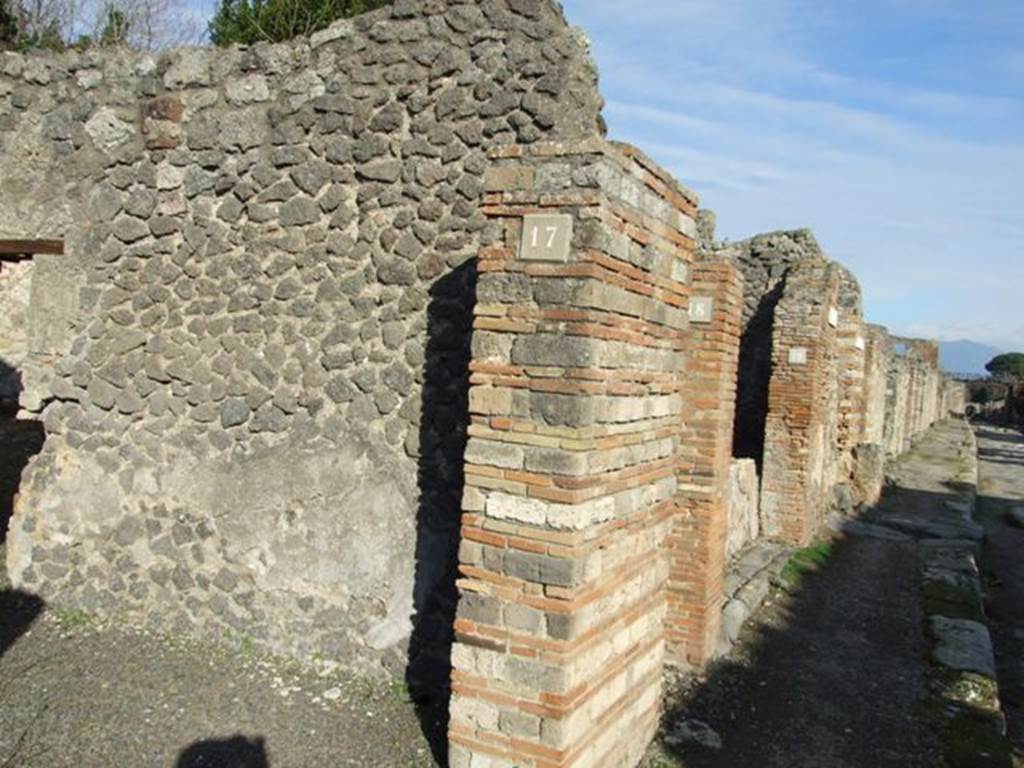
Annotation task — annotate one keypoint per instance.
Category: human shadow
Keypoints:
(833, 672)
(234, 752)
(442, 445)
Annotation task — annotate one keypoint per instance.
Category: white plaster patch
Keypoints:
(169, 177)
(107, 130)
(247, 90)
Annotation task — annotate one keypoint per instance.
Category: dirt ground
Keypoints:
(77, 694)
(1001, 488)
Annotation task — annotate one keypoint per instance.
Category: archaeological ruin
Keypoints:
(371, 346)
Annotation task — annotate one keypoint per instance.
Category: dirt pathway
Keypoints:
(833, 674)
(1001, 489)
(77, 695)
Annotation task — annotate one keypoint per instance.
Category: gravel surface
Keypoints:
(77, 694)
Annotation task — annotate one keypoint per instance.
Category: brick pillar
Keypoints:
(801, 401)
(697, 543)
(571, 463)
(851, 344)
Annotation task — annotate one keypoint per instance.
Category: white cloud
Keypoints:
(908, 178)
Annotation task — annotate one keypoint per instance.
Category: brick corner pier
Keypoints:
(571, 468)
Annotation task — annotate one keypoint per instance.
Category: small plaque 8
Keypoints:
(546, 237)
(701, 308)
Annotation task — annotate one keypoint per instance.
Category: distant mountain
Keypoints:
(965, 356)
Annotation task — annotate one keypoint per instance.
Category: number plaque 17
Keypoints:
(546, 237)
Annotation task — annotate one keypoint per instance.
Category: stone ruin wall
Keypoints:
(256, 426)
(573, 464)
(295, 287)
(15, 296)
(821, 439)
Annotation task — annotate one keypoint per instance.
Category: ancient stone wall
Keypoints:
(852, 347)
(344, 319)
(256, 424)
(801, 436)
(764, 261)
(745, 525)
(571, 468)
(698, 542)
(913, 401)
(15, 292)
(878, 353)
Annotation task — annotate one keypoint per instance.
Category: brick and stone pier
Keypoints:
(571, 468)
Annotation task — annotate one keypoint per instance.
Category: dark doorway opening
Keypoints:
(754, 379)
(20, 440)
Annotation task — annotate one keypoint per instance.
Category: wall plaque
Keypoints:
(546, 237)
(798, 356)
(701, 309)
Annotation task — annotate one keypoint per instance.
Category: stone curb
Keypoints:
(964, 689)
(748, 583)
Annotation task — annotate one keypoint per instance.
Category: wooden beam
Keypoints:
(15, 250)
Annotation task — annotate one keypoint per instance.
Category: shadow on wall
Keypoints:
(235, 752)
(19, 442)
(10, 389)
(836, 673)
(753, 380)
(442, 445)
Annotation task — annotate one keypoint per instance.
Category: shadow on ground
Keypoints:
(234, 752)
(833, 673)
(18, 610)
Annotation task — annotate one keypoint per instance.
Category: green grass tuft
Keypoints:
(806, 561)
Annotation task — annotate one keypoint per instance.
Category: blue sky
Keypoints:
(893, 128)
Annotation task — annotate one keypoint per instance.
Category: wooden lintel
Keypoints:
(16, 250)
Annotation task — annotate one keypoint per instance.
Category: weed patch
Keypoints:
(804, 562)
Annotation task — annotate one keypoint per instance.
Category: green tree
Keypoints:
(8, 26)
(1008, 366)
(115, 30)
(253, 21)
(17, 32)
